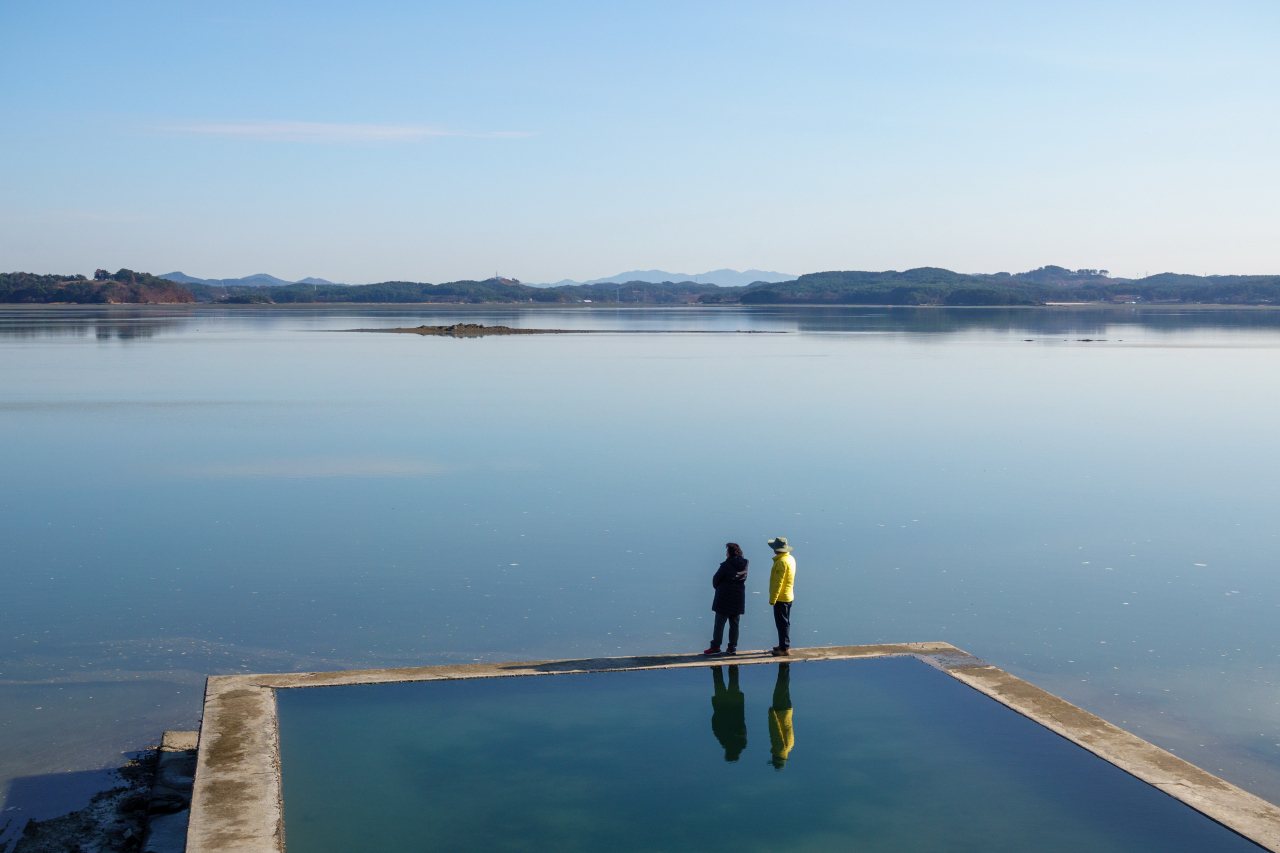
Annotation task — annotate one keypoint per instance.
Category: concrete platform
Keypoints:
(236, 803)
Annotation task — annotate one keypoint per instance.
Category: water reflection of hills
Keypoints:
(104, 325)
(146, 322)
(1031, 321)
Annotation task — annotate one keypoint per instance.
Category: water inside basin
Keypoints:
(872, 755)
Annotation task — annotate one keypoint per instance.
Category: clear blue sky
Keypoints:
(435, 141)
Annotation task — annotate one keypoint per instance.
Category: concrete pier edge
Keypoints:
(236, 803)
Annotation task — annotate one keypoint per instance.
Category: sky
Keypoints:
(548, 140)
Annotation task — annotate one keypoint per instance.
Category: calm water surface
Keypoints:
(879, 756)
(191, 491)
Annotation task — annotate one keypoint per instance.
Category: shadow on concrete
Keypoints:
(645, 661)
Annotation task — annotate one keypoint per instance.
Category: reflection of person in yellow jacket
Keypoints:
(728, 714)
(781, 736)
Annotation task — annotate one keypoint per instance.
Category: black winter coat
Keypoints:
(730, 582)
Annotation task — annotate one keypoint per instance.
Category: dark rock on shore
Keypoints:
(146, 813)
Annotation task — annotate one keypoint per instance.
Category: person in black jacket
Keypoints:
(730, 603)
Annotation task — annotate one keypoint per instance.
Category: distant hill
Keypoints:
(122, 287)
(922, 286)
(257, 280)
(935, 286)
(720, 278)
(1059, 276)
(474, 292)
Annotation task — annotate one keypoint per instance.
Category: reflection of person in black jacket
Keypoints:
(730, 583)
(728, 714)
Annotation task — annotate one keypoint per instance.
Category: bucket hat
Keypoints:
(780, 544)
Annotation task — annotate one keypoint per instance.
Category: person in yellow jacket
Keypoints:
(781, 736)
(782, 581)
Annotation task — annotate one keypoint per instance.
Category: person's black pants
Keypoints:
(782, 618)
(732, 619)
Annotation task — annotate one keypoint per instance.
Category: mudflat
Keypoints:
(469, 330)
(479, 330)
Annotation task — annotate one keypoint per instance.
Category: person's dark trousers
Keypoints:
(733, 630)
(782, 618)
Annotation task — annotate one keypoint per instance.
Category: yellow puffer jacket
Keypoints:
(782, 579)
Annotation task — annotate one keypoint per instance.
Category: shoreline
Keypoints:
(1072, 306)
(478, 330)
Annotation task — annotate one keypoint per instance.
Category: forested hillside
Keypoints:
(123, 287)
(923, 286)
(934, 286)
(469, 292)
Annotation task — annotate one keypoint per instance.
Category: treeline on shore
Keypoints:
(934, 286)
(922, 286)
(124, 287)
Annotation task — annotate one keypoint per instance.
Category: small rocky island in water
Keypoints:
(472, 330)
(479, 330)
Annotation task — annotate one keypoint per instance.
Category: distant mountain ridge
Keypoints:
(720, 278)
(256, 280)
(920, 286)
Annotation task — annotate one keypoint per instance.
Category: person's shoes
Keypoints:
(731, 652)
(781, 653)
(712, 651)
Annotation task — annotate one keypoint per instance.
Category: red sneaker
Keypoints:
(712, 651)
